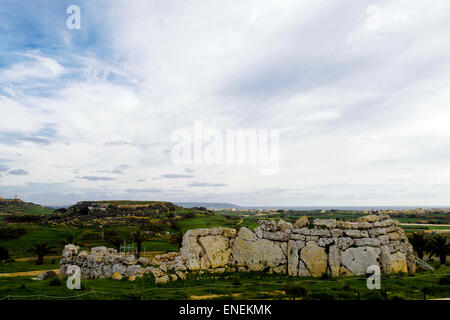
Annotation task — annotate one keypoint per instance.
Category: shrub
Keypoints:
(55, 282)
(444, 281)
(8, 233)
(295, 291)
(4, 254)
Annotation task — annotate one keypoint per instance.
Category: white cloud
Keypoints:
(363, 113)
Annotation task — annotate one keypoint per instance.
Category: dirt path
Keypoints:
(35, 258)
(25, 273)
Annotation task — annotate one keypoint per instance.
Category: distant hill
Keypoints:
(208, 205)
(17, 206)
(120, 207)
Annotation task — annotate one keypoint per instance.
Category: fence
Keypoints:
(211, 285)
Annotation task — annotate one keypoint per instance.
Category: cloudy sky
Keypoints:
(359, 91)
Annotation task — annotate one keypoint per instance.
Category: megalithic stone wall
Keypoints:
(339, 248)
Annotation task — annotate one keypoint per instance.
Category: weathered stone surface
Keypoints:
(320, 232)
(398, 262)
(247, 235)
(296, 236)
(292, 258)
(385, 259)
(364, 242)
(362, 225)
(377, 232)
(358, 259)
(301, 222)
(70, 250)
(258, 232)
(284, 226)
(335, 233)
(356, 233)
(325, 223)
(337, 247)
(384, 239)
(324, 242)
(276, 236)
(143, 261)
(303, 270)
(191, 249)
(312, 238)
(344, 272)
(394, 236)
(334, 260)
(344, 243)
(162, 280)
(315, 258)
(370, 218)
(411, 263)
(269, 226)
(303, 231)
(343, 224)
(217, 249)
(256, 255)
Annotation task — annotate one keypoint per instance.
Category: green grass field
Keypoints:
(233, 286)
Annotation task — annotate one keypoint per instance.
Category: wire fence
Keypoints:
(211, 285)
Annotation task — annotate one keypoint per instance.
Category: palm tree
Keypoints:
(439, 246)
(73, 238)
(419, 241)
(139, 237)
(41, 250)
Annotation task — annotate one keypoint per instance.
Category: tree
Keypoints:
(139, 237)
(439, 246)
(419, 241)
(4, 254)
(295, 291)
(116, 241)
(177, 239)
(41, 250)
(73, 238)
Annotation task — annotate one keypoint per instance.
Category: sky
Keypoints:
(358, 90)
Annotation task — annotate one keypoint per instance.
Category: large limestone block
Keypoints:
(315, 258)
(217, 250)
(247, 234)
(292, 258)
(385, 259)
(257, 255)
(303, 270)
(284, 226)
(357, 260)
(325, 223)
(356, 233)
(190, 250)
(344, 243)
(411, 263)
(371, 218)
(301, 222)
(334, 260)
(398, 262)
(269, 226)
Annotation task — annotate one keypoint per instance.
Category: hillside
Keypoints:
(17, 206)
(208, 205)
(120, 208)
